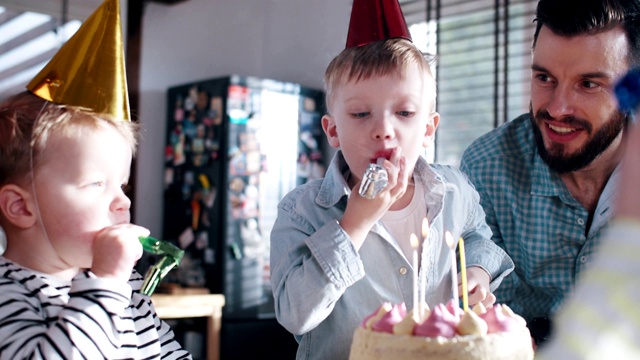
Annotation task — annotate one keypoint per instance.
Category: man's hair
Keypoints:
(27, 122)
(578, 17)
(378, 58)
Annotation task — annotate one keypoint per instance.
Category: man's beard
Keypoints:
(561, 163)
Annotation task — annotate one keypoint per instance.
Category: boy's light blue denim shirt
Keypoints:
(323, 287)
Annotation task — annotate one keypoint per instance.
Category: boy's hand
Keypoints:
(478, 286)
(362, 213)
(116, 250)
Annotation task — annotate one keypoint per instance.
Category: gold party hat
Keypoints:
(88, 70)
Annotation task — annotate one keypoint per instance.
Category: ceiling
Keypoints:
(76, 9)
(31, 32)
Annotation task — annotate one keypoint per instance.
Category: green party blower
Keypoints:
(155, 274)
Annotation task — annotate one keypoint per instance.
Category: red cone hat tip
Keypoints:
(376, 20)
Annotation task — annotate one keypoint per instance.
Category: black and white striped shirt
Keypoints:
(42, 317)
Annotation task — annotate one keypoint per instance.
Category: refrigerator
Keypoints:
(235, 145)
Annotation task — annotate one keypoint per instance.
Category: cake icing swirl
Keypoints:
(391, 318)
(368, 321)
(443, 320)
(440, 322)
(498, 321)
(472, 324)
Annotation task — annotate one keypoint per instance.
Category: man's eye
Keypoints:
(542, 77)
(406, 113)
(589, 84)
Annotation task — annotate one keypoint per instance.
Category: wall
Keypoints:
(288, 40)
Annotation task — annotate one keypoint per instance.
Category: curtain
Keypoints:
(482, 67)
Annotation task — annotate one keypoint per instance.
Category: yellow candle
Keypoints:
(463, 275)
(414, 244)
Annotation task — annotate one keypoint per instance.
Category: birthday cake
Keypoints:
(443, 333)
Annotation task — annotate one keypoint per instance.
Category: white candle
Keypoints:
(414, 244)
(454, 267)
(423, 266)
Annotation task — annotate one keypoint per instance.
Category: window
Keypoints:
(483, 57)
(28, 40)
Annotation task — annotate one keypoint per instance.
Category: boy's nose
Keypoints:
(383, 128)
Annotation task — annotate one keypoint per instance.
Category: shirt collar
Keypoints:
(543, 181)
(334, 186)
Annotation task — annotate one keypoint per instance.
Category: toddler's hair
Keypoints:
(19, 135)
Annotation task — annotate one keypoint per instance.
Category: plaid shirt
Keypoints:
(534, 217)
(601, 320)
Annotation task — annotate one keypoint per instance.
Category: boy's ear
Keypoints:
(17, 206)
(430, 131)
(329, 127)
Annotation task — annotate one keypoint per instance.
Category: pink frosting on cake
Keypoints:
(454, 308)
(440, 322)
(385, 324)
(497, 321)
(443, 320)
(366, 319)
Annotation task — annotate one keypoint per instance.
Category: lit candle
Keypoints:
(463, 275)
(414, 244)
(454, 266)
(423, 287)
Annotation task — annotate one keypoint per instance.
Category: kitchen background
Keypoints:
(482, 69)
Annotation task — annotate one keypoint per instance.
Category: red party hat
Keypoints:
(376, 20)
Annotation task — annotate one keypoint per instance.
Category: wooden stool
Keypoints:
(179, 306)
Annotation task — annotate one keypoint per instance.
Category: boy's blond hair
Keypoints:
(27, 121)
(378, 58)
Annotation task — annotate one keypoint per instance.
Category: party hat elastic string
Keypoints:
(32, 172)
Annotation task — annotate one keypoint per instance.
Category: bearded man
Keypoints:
(547, 179)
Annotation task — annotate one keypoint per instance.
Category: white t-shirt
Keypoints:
(402, 223)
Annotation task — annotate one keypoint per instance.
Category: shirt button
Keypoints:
(403, 270)
(583, 259)
(580, 221)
